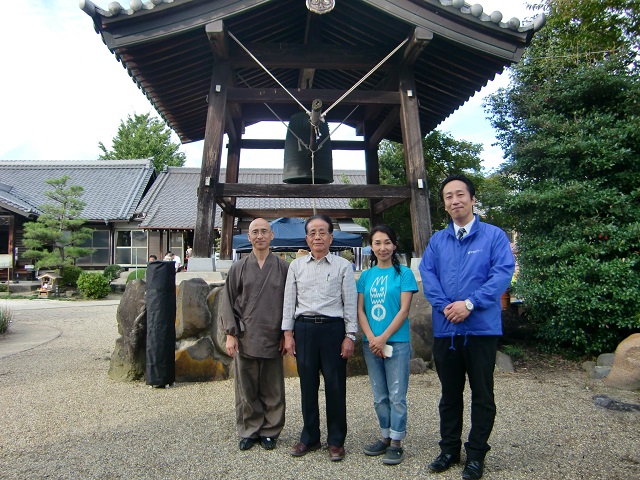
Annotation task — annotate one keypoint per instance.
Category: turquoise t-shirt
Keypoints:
(381, 288)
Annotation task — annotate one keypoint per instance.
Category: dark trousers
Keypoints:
(318, 350)
(475, 357)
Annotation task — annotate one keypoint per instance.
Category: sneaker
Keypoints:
(393, 456)
(375, 449)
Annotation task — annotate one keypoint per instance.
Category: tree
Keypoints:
(443, 155)
(144, 136)
(570, 126)
(55, 239)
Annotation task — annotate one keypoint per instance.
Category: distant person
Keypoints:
(187, 255)
(465, 269)
(168, 257)
(176, 259)
(384, 298)
(251, 315)
(320, 323)
(152, 258)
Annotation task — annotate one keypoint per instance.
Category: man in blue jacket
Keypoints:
(465, 269)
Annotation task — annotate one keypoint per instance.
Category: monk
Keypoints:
(252, 315)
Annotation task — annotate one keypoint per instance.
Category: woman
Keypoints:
(384, 298)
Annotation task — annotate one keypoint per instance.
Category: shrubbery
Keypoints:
(93, 285)
(137, 273)
(70, 276)
(4, 287)
(6, 317)
(112, 272)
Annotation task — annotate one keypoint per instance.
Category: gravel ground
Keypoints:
(62, 417)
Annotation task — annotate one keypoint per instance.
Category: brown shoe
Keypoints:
(336, 453)
(300, 449)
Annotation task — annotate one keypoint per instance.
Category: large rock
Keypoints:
(197, 360)
(129, 356)
(625, 373)
(192, 313)
(421, 328)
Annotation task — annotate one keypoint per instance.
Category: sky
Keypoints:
(62, 92)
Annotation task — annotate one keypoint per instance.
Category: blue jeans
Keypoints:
(389, 383)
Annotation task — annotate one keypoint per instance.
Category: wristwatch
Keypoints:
(350, 336)
(469, 305)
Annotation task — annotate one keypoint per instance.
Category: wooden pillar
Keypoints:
(232, 174)
(373, 178)
(211, 156)
(414, 159)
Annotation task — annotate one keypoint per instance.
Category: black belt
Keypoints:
(318, 319)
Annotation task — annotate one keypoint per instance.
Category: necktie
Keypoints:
(461, 233)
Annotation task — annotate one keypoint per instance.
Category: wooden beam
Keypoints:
(228, 218)
(218, 40)
(278, 95)
(301, 212)
(266, 144)
(384, 205)
(318, 56)
(256, 190)
(389, 122)
(414, 159)
(417, 43)
(211, 159)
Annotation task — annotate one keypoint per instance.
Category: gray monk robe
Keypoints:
(252, 311)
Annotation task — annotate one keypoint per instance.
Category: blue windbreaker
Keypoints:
(479, 267)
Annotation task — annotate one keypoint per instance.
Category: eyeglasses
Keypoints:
(314, 233)
(256, 233)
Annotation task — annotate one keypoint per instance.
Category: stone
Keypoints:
(192, 312)
(198, 361)
(605, 360)
(418, 366)
(129, 356)
(504, 362)
(598, 372)
(216, 329)
(421, 327)
(588, 366)
(625, 373)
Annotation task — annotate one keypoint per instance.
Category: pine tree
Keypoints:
(55, 239)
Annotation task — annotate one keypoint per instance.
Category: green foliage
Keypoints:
(93, 285)
(514, 351)
(111, 272)
(70, 275)
(55, 239)
(144, 136)
(443, 155)
(137, 273)
(6, 318)
(4, 287)
(570, 125)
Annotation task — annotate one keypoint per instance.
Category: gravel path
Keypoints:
(62, 417)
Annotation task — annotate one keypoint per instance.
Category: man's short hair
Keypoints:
(463, 178)
(322, 217)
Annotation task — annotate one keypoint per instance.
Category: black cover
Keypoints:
(161, 318)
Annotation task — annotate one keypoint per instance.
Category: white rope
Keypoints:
(268, 72)
(365, 77)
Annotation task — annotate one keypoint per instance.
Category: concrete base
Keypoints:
(415, 262)
(201, 264)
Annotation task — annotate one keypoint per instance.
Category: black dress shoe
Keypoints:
(473, 470)
(247, 443)
(443, 461)
(268, 443)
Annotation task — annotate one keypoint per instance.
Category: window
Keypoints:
(176, 244)
(131, 247)
(100, 242)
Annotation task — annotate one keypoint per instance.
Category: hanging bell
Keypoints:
(297, 156)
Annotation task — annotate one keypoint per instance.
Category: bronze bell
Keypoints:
(297, 157)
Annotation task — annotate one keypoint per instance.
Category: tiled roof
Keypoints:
(112, 188)
(171, 203)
